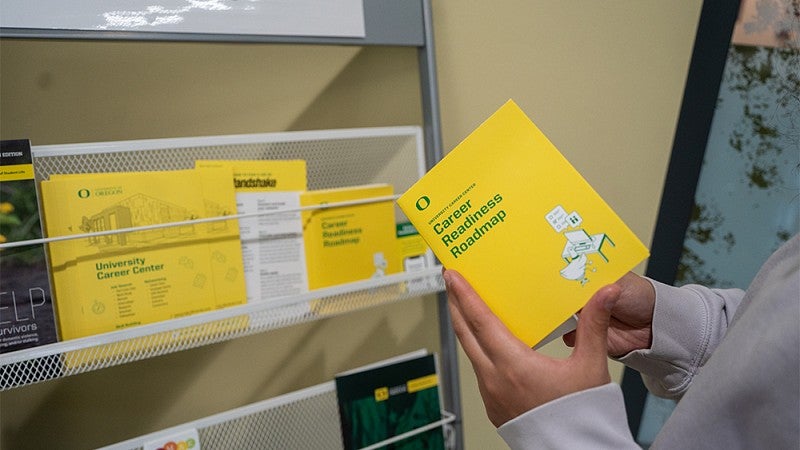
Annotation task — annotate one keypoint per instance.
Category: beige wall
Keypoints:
(602, 79)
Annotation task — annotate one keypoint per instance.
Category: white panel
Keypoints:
(335, 18)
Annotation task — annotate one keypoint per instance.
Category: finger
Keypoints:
(569, 337)
(592, 332)
(468, 341)
(487, 330)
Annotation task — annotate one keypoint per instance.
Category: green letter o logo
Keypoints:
(83, 193)
(423, 202)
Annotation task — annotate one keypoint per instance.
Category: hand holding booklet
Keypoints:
(506, 210)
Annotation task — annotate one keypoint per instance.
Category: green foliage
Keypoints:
(767, 138)
(771, 94)
(19, 219)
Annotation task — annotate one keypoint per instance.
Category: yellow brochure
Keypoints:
(272, 243)
(225, 247)
(109, 282)
(510, 213)
(349, 243)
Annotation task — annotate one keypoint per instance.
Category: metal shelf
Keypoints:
(335, 158)
(76, 356)
(307, 419)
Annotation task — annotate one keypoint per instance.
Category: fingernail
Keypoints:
(447, 278)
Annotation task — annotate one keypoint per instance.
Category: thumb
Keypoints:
(591, 336)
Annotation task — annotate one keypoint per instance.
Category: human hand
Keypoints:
(631, 325)
(512, 377)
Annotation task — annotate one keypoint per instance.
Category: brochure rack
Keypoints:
(405, 23)
(365, 155)
(305, 419)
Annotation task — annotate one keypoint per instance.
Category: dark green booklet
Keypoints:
(380, 402)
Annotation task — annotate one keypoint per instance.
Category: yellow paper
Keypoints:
(272, 243)
(225, 249)
(508, 211)
(262, 175)
(106, 283)
(350, 243)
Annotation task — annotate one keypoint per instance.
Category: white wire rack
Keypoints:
(334, 158)
(307, 419)
(119, 347)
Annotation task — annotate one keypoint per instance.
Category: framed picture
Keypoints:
(334, 18)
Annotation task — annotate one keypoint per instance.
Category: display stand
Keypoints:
(307, 419)
(335, 158)
(387, 23)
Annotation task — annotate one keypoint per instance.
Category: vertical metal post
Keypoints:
(433, 153)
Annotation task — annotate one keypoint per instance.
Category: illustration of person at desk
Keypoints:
(579, 244)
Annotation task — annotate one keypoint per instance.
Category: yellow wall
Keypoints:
(602, 79)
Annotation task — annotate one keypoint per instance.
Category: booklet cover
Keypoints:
(388, 399)
(26, 303)
(272, 244)
(349, 243)
(513, 216)
(109, 282)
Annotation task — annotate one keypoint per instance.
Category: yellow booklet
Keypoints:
(272, 244)
(508, 211)
(111, 282)
(349, 243)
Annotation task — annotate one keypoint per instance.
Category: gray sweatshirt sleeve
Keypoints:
(688, 324)
(590, 419)
(753, 409)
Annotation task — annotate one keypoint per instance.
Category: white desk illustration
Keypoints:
(579, 243)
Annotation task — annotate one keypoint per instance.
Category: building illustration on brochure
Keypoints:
(107, 282)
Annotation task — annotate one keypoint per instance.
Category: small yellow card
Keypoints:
(349, 243)
(272, 241)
